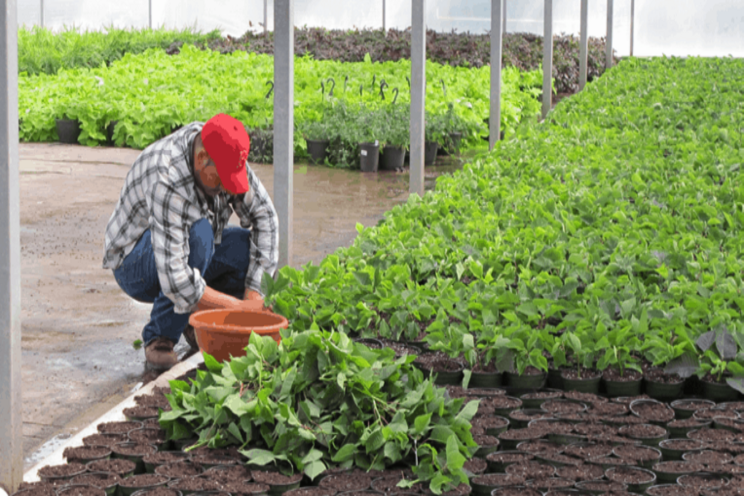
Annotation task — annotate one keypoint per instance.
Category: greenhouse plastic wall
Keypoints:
(671, 27)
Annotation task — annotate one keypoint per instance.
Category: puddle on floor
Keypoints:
(46, 449)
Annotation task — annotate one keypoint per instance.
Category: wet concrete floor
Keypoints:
(78, 326)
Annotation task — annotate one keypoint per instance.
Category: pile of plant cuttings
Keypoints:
(523, 51)
(147, 96)
(605, 241)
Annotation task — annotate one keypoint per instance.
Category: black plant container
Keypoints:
(393, 158)
(68, 130)
(317, 150)
(369, 156)
(430, 152)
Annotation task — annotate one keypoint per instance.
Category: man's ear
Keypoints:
(201, 157)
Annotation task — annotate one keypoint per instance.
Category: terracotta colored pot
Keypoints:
(225, 333)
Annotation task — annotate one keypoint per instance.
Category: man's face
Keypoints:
(205, 172)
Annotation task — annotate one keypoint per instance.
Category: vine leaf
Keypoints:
(726, 344)
(684, 365)
(736, 383)
(705, 341)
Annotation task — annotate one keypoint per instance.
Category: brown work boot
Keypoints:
(190, 337)
(159, 354)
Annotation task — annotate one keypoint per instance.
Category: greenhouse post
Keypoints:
(608, 61)
(418, 94)
(584, 48)
(494, 120)
(284, 124)
(548, 59)
(11, 441)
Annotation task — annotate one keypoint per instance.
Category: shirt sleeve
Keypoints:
(183, 285)
(257, 213)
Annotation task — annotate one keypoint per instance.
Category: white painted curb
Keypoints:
(113, 415)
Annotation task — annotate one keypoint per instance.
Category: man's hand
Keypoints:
(252, 301)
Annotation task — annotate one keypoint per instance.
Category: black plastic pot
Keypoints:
(129, 491)
(453, 143)
(110, 133)
(369, 156)
(317, 150)
(393, 158)
(639, 487)
(663, 391)
(719, 391)
(443, 378)
(674, 454)
(74, 489)
(137, 459)
(588, 385)
(554, 379)
(430, 152)
(262, 147)
(109, 487)
(622, 388)
(528, 402)
(682, 413)
(485, 379)
(525, 381)
(68, 130)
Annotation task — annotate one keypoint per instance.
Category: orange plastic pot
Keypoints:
(225, 333)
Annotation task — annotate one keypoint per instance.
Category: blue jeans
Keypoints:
(223, 267)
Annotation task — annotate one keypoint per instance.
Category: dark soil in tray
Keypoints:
(344, 483)
(227, 474)
(627, 400)
(99, 479)
(678, 467)
(65, 470)
(683, 444)
(706, 434)
(551, 426)
(476, 465)
(104, 439)
(527, 415)
(614, 375)
(574, 374)
(531, 470)
(643, 431)
(621, 420)
(613, 409)
(115, 466)
(636, 453)
(144, 480)
(516, 491)
(148, 436)
(702, 481)
(671, 490)
(653, 411)
(217, 458)
(504, 402)
(736, 424)
(658, 375)
(580, 472)
(236, 488)
(498, 480)
(610, 461)
(430, 361)
(275, 478)
(692, 405)
(486, 440)
(157, 400)
(708, 457)
(595, 429)
(401, 349)
(179, 470)
(118, 427)
(563, 459)
(585, 451)
(38, 490)
(142, 412)
(542, 395)
(541, 446)
(314, 491)
(81, 491)
(484, 392)
(86, 452)
(490, 422)
(689, 422)
(584, 397)
(195, 484)
(133, 449)
(731, 405)
(514, 435)
(389, 485)
(544, 485)
(711, 413)
(165, 457)
(629, 475)
(506, 457)
(604, 486)
(162, 491)
(562, 406)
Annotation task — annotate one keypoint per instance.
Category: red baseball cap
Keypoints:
(228, 144)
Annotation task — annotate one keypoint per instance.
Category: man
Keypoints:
(168, 243)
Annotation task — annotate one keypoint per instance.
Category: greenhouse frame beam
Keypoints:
(584, 45)
(632, 25)
(548, 58)
(149, 12)
(610, 9)
(418, 95)
(284, 124)
(11, 423)
(497, 35)
(41, 12)
(266, 17)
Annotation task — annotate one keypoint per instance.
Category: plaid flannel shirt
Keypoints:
(160, 194)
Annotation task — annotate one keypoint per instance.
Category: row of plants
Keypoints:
(604, 240)
(521, 50)
(146, 96)
(41, 50)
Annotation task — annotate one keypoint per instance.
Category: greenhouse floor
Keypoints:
(78, 326)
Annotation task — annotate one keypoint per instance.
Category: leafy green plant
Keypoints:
(319, 400)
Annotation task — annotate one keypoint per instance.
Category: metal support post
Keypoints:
(384, 29)
(494, 120)
(608, 61)
(266, 17)
(632, 25)
(149, 12)
(584, 48)
(11, 441)
(41, 12)
(504, 27)
(284, 124)
(548, 59)
(418, 95)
